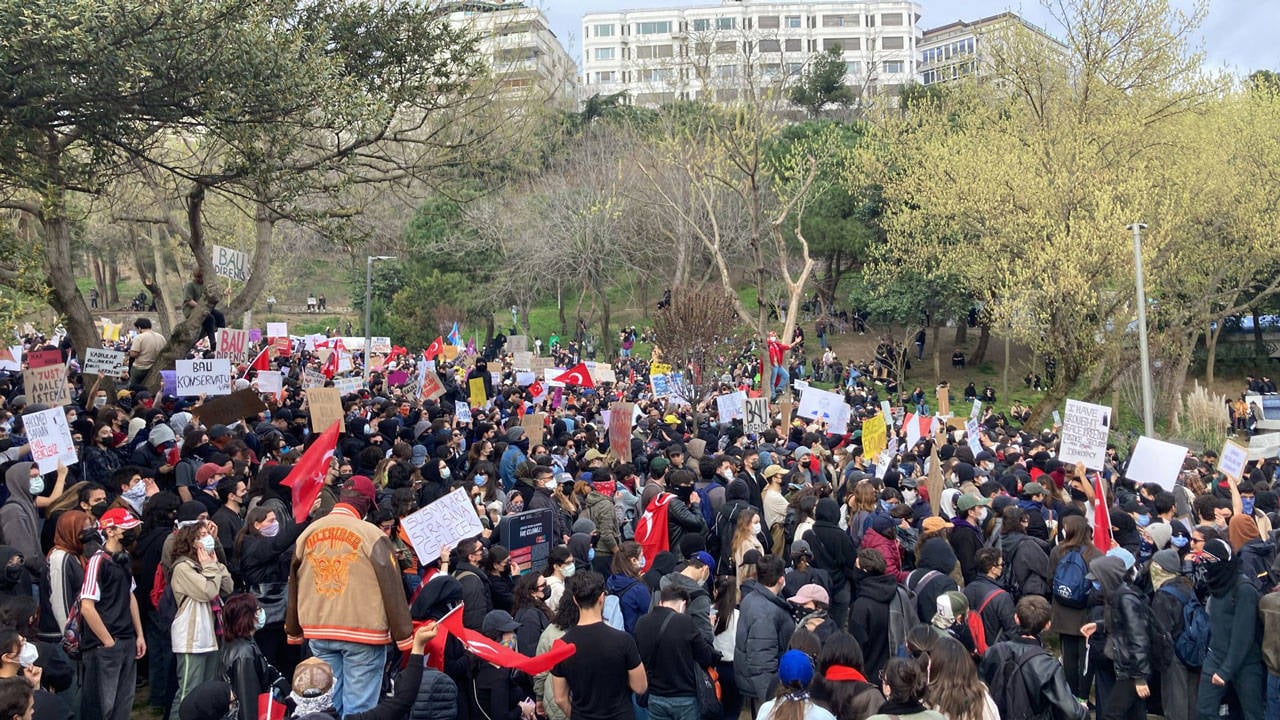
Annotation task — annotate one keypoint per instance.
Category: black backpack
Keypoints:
(1008, 687)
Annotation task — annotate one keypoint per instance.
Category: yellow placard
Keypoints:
(874, 437)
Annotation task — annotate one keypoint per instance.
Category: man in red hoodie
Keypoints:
(779, 378)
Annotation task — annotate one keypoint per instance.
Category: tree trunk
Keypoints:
(560, 305)
(1211, 352)
(642, 289)
(112, 289)
(99, 278)
(64, 296)
(962, 332)
(1259, 347)
(606, 336)
(935, 331)
(984, 339)
(1004, 377)
(488, 328)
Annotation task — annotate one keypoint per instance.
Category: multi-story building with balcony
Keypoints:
(961, 49)
(523, 52)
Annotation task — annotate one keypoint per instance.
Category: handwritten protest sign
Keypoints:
(1232, 459)
(43, 358)
(534, 425)
(1084, 434)
(447, 521)
(381, 345)
(829, 407)
(47, 385)
(429, 384)
(204, 377)
(620, 430)
(50, 438)
(874, 436)
(756, 415)
(230, 263)
(462, 411)
(1154, 461)
(233, 343)
(325, 406)
(478, 395)
(975, 442)
(270, 383)
(977, 408)
(348, 385)
(886, 411)
(731, 406)
(100, 361)
(277, 329)
(312, 379)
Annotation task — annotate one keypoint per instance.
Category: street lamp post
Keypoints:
(368, 306)
(1144, 355)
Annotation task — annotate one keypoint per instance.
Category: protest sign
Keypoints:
(203, 377)
(397, 378)
(541, 363)
(943, 393)
(731, 406)
(478, 395)
(517, 344)
(12, 360)
(325, 406)
(50, 439)
(349, 385)
(168, 382)
(43, 358)
(875, 436)
(977, 408)
(282, 346)
(1057, 419)
(827, 406)
(312, 379)
(233, 344)
(972, 431)
(756, 415)
(230, 263)
(270, 382)
(1154, 461)
(462, 411)
(534, 425)
(601, 372)
(255, 335)
(887, 412)
(380, 345)
(1232, 459)
(784, 412)
(447, 521)
(659, 368)
(99, 361)
(429, 384)
(620, 430)
(277, 329)
(661, 385)
(1084, 434)
(46, 385)
(528, 536)
(549, 377)
(228, 409)
(522, 360)
(525, 379)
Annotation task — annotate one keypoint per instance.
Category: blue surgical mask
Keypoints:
(884, 506)
(1179, 541)
(1144, 520)
(591, 554)
(1246, 504)
(37, 485)
(1097, 585)
(480, 480)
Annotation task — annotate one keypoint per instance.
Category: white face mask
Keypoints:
(260, 618)
(28, 655)
(208, 543)
(909, 497)
(755, 528)
(568, 569)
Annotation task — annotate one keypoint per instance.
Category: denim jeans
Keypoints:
(1273, 697)
(109, 681)
(357, 673)
(673, 708)
(779, 379)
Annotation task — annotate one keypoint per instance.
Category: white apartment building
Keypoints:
(719, 52)
(523, 52)
(960, 49)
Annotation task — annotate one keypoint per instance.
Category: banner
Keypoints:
(971, 430)
(277, 329)
(50, 439)
(829, 407)
(620, 430)
(100, 361)
(325, 407)
(462, 411)
(875, 436)
(755, 418)
(731, 406)
(270, 383)
(1084, 434)
(233, 344)
(47, 385)
(203, 377)
(348, 385)
(380, 345)
(447, 521)
(230, 263)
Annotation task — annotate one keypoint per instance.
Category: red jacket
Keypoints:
(890, 549)
(776, 352)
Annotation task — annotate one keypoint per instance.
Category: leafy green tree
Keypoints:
(822, 83)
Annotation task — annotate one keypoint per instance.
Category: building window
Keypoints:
(606, 53)
(839, 21)
(929, 77)
(845, 44)
(663, 51)
(891, 43)
(726, 47)
(794, 45)
(770, 46)
(654, 28)
(871, 21)
(726, 23)
(644, 52)
(891, 19)
(701, 25)
(605, 76)
(655, 75)
(768, 22)
(852, 67)
(795, 68)
(726, 71)
(771, 70)
(792, 21)
(604, 31)
(893, 66)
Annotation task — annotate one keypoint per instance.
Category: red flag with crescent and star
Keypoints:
(491, 651)
(577, 375)
(435, 348)
(306, 479)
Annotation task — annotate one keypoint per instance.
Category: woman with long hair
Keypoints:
(792, 701)
(263, 550)
(724, 630)
(627, 583)
(746, 536)
(1077, 538)
(497, 566)
(99, 459)
(840, 685)
(241, 662)
(198, 581)
(903, 683)
(858, 509)
(529, 608)
(954, 688)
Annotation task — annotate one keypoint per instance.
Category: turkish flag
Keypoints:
(502, 656)
(576, 375)
(435, 348)
(1101, 517)
(330, 367)
(262, 363)
(536, 391)
(307, 477)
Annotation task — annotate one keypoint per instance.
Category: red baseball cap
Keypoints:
(118, 518)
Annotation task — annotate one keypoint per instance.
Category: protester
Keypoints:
(597, 681)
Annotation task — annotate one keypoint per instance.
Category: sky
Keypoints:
(1238, 35)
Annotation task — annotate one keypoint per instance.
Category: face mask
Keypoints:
(550, 484)
(208, 543)
(568, 569)
(909, 497)
(727, 474)
(591, 554)
(983, 514)
(260, 619)
(99, 510)
(28, 655)
(1143, 520)
(885, 506)
(445, 473)
(1179, 541)
(36, 486)
(480, 480)
(1097, 585)
(368, 430)
(755, 528)
(756, 464)
(129, 537)
(1246, 505)
(136, 493)
(90, 536)
(640, 561)
(270, 530)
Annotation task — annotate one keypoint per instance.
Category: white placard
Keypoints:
(525, 379)
(50, 439)
(348, 385)
(100, 361)
(270, 382)
(731, 406)
(1057, 418)
(230, 263)
(380, 345)
(203, 377)
(549, 375)
(447, 521)
(233, 343)
(971, 429)
(1084, 434)
(522, 359)
(1154, 461)
(1232, 459)
(887, 412)
(755, 415)
(977, 409)
(821, 404)
(14, 365)
(278, 329)
(462, 411)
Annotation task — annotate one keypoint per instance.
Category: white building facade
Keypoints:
(523, 52)
(720, 52)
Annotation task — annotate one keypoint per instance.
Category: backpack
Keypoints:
(1007, 580)
(974, 620)
(1008, 687)
(71, 635)
(1191, 644)
(903, 618)
(162, 598)
(704, 504)
(613, 607)
(1070, 588)
(913, 589)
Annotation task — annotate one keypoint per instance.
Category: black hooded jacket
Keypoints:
(833, 550)
(1128, 640)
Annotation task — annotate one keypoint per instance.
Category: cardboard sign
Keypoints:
(541, 364)
(282, 346)
(534, 425)
(731, 406)
(601, 373)
(756, 415)
(50, 439)
(462, 411)
(478, 395)
(380, 345)
(1154, 461)
(447, 521)
(517, 344)
(43, 358)
(875, 437)
(429, 384)
(784, 413)
(312, 379)
(887, 412)
(231, 408)
(233, 343)
(203, 377)
(230, 263)
(1232, 459)
(1084, 434)
(270, 383)
(972, 431)
(46, 385)
(620, 430)
(943, 393)
(522, 360)
(325, 407)
(100, 361)
(277, 329)
(528, 536)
